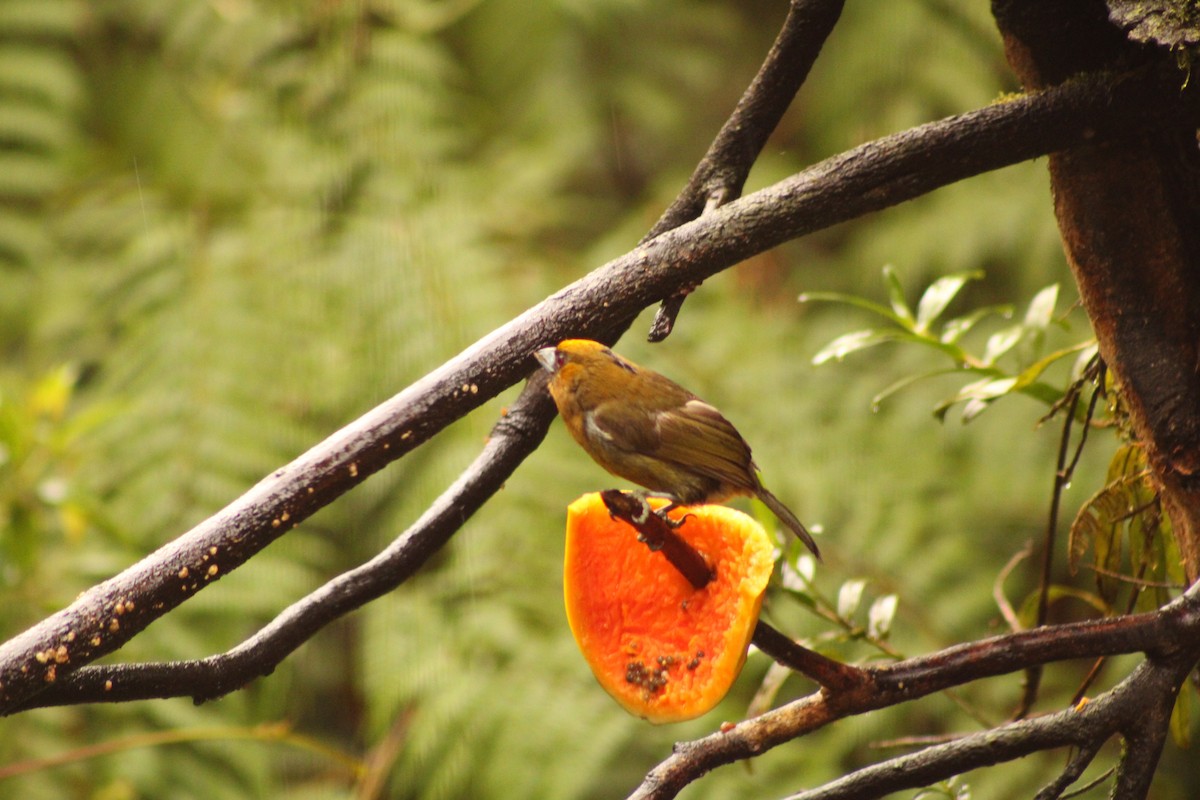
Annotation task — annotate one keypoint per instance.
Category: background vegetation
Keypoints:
(227, 228)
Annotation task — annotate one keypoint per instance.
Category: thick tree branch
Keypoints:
(517, 435)
(868, 178)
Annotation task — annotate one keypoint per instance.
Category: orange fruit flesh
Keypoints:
(664, 650)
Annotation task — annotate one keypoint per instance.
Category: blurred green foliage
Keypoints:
(228, 228)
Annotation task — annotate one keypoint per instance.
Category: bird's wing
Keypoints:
(621, 426)
(697, 435)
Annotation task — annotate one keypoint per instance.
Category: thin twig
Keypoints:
(1148, 584)
(1094, 672)
(1062, 477)
(917, 741)
(1075, 767)
(1006, 609)
(1092, 784)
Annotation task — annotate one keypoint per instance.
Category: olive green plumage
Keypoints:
(644, 427)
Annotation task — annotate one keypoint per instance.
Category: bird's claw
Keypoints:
(673, 524)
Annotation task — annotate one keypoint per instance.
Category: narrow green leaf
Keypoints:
(1001, 342)
(1035, 370)
(988, 389)
(798, 577)
(1041, 309)
(1027, 613)
(806, 565)
(849, 597)
(976, 395)
(852, 342)
(896, 297)
(1104, 521)
(853, 300)
(973, 408)
(939, 294)
(772, 682)
(1172, 559)
(1128, 464)
(958, 327)
(879, 618)
(1042, 392)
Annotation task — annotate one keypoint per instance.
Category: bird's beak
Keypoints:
(547, 357)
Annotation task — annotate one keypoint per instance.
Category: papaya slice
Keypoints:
(663, 649)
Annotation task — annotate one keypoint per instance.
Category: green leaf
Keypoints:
(853, 300)
(978, 394)
(852, 342)
(1042, 392)
(1001, 342)
(939, 294)
(1040, 313)
(879, 618)
(849, 596)
(896, 297)
(986, 389)
(973, 408)
(777, 674)
(1035, 370)
(958, 327)
(798, 577)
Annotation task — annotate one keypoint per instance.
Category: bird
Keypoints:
(643, 427)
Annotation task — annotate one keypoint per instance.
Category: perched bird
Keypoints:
(648, 429)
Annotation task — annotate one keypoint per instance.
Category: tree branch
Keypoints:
(940, 762)
(868, 178)
(1075, 767)
(1170, 635)
(514, 437)
(721, 174)
(1087, 726)
(1120, 711)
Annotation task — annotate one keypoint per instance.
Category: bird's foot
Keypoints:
(673, 524)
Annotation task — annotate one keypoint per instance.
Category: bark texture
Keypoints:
(1129, 213)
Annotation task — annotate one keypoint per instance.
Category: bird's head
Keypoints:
(581, 352)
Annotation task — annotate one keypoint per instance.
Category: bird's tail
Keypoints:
(788, 518)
